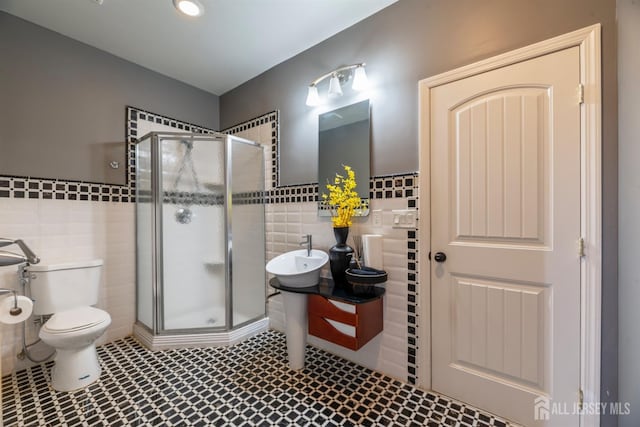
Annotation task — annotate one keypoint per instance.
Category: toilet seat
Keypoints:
(75, 319)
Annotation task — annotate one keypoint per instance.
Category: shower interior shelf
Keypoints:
(214, 263)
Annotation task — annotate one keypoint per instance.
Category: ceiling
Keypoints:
(234, 41)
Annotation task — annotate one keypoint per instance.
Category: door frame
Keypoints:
(588, 40)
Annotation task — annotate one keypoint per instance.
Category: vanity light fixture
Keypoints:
(191, 8)
(338, 77)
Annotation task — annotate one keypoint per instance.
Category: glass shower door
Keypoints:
(144, 233)
(246, 215)
(193, 234)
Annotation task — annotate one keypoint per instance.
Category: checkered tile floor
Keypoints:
(245, 384)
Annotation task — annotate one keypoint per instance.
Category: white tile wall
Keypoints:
(262, 135)
(285, 225)
(71, 230)
(63, 230)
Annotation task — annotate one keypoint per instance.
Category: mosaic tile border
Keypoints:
(412, 305)
(20, 187)
(188, 199)
(380, 187)
(394, 186)
(294, 194)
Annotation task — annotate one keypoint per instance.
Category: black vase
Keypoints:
(339, 257)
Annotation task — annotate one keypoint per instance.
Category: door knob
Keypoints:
(440, 257)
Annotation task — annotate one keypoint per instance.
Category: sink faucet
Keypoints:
(307, 242)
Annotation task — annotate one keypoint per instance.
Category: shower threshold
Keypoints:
(198, 339)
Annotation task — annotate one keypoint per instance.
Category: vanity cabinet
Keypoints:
(348, 324)
(338, 316)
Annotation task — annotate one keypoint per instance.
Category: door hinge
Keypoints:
(581, 247)
(580, 93)
(580, 399)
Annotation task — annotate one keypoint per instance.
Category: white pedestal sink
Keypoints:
(297, 269)
(295, 318)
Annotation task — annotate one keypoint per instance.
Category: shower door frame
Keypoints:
(157, 264)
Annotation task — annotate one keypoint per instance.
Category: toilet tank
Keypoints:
(58, 287)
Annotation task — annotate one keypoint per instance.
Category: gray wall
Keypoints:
(62, 104)
(414, 39)
(629, 192)
(402, 44)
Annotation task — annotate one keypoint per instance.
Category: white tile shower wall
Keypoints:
(193, 273)
(285, 225)
(261, 134)
(64, 230)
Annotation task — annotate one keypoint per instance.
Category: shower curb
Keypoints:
(215, 339)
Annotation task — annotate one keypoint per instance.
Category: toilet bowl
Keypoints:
(67, 292)
(73, 334)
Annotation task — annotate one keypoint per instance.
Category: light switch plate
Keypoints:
(404, 218)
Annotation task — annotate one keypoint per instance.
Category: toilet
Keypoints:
(67, 292)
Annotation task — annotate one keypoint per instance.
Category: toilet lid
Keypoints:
(77, 318)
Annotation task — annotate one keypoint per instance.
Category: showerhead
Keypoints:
(184, 215)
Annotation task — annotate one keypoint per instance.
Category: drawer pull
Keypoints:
(349, 308)
(342, 327)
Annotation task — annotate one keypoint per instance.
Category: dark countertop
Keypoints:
(326, 288)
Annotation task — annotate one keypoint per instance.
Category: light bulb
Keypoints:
(360, 81)
(334, 87)
(189, 7)
(312, 96)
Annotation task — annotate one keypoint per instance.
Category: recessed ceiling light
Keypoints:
(189, 7)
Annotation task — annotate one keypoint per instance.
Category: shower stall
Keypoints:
(200, 240)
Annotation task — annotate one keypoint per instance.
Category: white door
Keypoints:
(505, 200)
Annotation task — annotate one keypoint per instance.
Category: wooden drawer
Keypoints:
(366, 318)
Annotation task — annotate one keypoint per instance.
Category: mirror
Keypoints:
(343, 139)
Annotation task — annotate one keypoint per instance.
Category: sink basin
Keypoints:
(297, 270)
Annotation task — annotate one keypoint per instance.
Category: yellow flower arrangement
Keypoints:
(343, 198)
